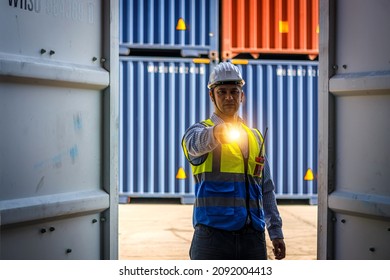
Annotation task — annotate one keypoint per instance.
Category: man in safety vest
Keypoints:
(234, 193)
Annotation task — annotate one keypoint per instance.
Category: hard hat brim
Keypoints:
(239, 83)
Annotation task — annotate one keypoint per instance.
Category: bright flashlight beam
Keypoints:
(234, 134)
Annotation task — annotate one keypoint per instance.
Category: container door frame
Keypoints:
(111, 127)
(326, 141)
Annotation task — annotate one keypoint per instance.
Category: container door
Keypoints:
(354, 130)
(58, 144)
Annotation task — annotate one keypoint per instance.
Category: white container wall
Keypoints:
(354, 131)
(58, 97)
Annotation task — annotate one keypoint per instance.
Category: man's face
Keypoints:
(227, 98)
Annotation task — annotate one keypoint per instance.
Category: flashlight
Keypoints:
(233, 134)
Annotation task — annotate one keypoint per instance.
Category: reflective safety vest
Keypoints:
(227, 185)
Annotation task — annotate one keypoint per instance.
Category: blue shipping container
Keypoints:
(150, 24)
(162, 97)
(282, 95)
(159, 100)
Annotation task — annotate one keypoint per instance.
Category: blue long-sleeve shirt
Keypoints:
(200, 140)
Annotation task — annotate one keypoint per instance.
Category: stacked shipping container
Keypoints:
(269, 27)
(150, 26)
(162, 96)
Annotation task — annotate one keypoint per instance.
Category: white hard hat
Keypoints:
(225, 73)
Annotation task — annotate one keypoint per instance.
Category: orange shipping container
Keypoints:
(269, 27)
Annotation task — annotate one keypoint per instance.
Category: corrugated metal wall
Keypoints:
(162, 97)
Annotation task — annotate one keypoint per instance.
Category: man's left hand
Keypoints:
(279, 248)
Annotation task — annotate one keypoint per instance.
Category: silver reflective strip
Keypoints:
(253, 204)
(224, 202)
(219, 202)
(259, 140)
(220, 177)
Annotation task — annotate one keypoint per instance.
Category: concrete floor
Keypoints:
(145, 235)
